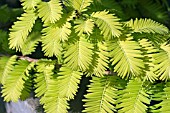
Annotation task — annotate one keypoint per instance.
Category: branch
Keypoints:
(36, 60)
(28, 59)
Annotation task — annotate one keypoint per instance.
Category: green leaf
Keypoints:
(80, 5)
(58, 33)
(100, 60)
(126, 58)
(149, 51)
(55, 34)
(51, 47)
(134, 98)
(43, 76)
(29, 4)
(162, 62)
(31, 43)
(147, 26)
(101, 96)
(20, 30)
(8, 67)
(50, 11)
(68, 82)
(15, 82)
(108, 24)
(28, 85)
(84, 26)
(165, 97)
(52, 102)
(79, 54)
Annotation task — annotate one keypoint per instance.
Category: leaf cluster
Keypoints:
(88, 38)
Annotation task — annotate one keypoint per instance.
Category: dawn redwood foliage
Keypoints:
(127, 58)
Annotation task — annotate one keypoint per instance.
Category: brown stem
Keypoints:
(28, 59)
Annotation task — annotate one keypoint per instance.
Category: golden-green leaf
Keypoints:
(108, 24)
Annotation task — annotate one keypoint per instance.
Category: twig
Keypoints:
(28, 59)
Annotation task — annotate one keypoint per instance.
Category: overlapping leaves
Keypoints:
(108, 24)
(134, 99)
(50, 11)
(14, 84)
(79, 54)
(147, 26)
(126, 58)
(162, 61)
(101, 96)
(20, 30)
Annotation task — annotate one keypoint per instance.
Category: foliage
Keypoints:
(126, 56)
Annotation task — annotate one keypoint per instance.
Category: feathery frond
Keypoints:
(134, 99)
(50, 43)
(84, 26)
(149, 51)
(9, 66)
(43, 76)
(101, 96)
(156, 93)
(26, 92)
(52, 102)
(126, 58)
(68, 82)
(80, 5)
(50, 11)
(29, 4)
(100, 60)
(15, 82)
(79, 55)
(28, 85)
(3, 61)
(31, 43)
(162, 62)
(20, 30)
(165, 97)
(108, 24)
(56, 33)
(147, 26)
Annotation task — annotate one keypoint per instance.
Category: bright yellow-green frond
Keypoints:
(3, 60)
(21, 29)
(29, 4)
(126, 58)
(43, 76)
(149, 51)
(100, 60)
(101, 96)
(51, 42)
(133, 99)
(79, 54)
(60, 90)
(30, 44)
(68, 82)
(14, 84)
(80, 5)
(8, 67)
(50, 11)
(162, 62)
(84, 26)
(147, 26)
(108, 24)
(55, 34)
(51, 100)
